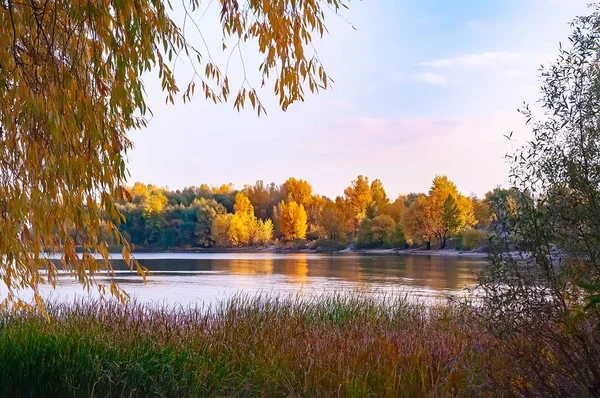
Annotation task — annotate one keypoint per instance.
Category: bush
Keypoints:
(313, 235)
(472, 239)
(330, 245)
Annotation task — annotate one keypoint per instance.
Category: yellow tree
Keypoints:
(332, 221)
(153, 208)
(71, 88)
(292, 220)
(359, 197)
(297, 190)
(451, 212)
(418, 221)
(380, 200)
(263, 233)
(220, 228)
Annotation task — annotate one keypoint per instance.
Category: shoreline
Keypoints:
(275, 249)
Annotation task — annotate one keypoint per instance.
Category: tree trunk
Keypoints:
(428, 245)
(443, 243)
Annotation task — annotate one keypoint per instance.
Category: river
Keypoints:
(205, 278)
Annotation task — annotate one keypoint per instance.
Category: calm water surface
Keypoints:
(205, 278)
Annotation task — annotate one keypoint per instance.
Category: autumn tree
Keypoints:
(359, 197)
(263, 198)
(418, 221)
(153, 208)
(292, 220)
(332, 221)
(395, 209)
(297, 190)
(450, 211)
(220, 230)
(380, 200)
(481, 211)
(263, 232)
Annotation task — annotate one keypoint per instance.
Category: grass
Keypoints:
(247, 346)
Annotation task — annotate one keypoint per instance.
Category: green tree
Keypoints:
(206, 212)
(153, 211)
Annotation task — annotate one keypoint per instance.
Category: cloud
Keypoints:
(425, 77)
(476, 60)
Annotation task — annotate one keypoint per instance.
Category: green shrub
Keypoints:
(472, 239)
(330, 245)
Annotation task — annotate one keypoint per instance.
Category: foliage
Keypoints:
(359, 197)
(395, 209)
(473, 238)
(297, 190)
(206, 212)
(263, 232)
(418, 222)
(332, 222)
(331, 245)
(220, 230)
(380, 232)
(380, 199)
(292, 220)
(481, 212)
(547, 292)
(450, 211)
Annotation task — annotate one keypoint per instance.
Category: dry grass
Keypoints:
(247, 346)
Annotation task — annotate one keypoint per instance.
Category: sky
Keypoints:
(422, 87)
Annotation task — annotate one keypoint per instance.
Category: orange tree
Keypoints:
(70, 90)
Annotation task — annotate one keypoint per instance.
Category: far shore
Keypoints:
(348, 250)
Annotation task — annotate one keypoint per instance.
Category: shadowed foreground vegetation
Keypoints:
(327, 346)
(258, 346)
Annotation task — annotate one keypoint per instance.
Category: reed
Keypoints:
(332, 345)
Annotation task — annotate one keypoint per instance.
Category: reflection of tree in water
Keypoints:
(368, 272)
(345, 268)
(437, 272)
(251, 267)
(296, 268)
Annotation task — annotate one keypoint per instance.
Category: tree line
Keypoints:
(261, 214)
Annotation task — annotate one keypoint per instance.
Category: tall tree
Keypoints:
(359, 197)
(292, 220)
(297, 190)
(450, 211)
(418, 221)
(380, 199)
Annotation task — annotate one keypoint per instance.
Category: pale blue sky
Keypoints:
(422, 87)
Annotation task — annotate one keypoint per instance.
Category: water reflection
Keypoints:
(192, 278)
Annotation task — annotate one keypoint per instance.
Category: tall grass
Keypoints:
(333, 345)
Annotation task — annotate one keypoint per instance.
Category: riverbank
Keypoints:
(348, 250)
